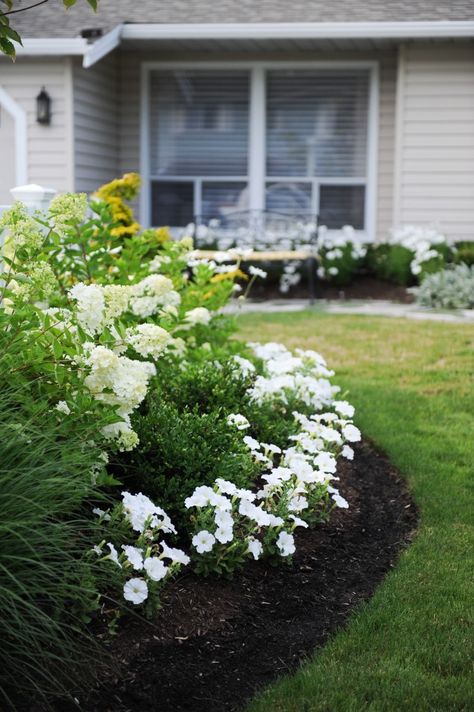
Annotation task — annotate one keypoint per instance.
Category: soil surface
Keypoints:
(363, 287)
(215, 643)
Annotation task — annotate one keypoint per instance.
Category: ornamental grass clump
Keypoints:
(49, 588)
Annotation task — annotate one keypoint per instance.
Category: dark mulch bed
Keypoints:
(215, 643)
(363, 287)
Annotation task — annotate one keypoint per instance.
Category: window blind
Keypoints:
(199, 123)
(317, 123)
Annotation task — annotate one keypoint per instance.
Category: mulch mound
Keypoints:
(363, 287)
(215, 643)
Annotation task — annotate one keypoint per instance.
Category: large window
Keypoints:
(308, 129)
(199, 144)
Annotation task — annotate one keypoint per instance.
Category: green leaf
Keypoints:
(7, 47)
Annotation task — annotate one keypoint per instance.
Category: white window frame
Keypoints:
(257, 177)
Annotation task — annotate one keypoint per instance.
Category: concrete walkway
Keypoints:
(366, 308)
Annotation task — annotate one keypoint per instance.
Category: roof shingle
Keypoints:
(52, 20)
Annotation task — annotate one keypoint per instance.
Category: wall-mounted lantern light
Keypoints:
(43, 108)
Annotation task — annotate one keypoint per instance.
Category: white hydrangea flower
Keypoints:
(90, 306)
(135, 591)
(152, 293)
(148, 339)
(257, 272)
(199, 315)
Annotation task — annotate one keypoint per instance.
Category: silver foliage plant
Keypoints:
(451, 288)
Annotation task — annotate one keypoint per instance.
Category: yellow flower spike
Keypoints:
(236, 273)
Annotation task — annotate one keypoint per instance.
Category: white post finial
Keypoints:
(35, 197)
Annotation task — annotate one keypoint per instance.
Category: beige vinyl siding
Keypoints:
(96, 123)
(130, 111)
(49, 147)
(436, 138)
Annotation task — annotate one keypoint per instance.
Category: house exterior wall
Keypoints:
(49, 148)
(435, 138)
(130, 108)
(96, 123)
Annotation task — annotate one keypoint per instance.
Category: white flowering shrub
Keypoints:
(427, 245)
(341, 254)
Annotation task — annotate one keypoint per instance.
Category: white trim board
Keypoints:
(299, 30)
(21, 137)
(256, 171)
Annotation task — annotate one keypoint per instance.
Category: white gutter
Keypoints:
(103, 46)
(52, 47)
(299, 30)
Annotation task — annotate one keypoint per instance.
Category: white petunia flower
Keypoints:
(113, 556)
(347, 452)
(340, 501)
(223, 519)
(203, 541)
(155, 568)
(246, 367)
(176, 555)
(101, 513)
(351, 433)
(254, 547)
(224, 534)
(344, 408)
(240, 421)
(286, 543)
(134, 556)
(135, 591)
(226, 487)
(299, 522)
(251, 443)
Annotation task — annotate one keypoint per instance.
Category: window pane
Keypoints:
(288, 197)
(220, 200)
(317, 122)
(199, 122)
(341, 205)
(172, 203)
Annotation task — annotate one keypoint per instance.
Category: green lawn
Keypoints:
(411, 647)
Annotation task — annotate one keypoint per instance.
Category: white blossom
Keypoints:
(203, 541)
(135, 590)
